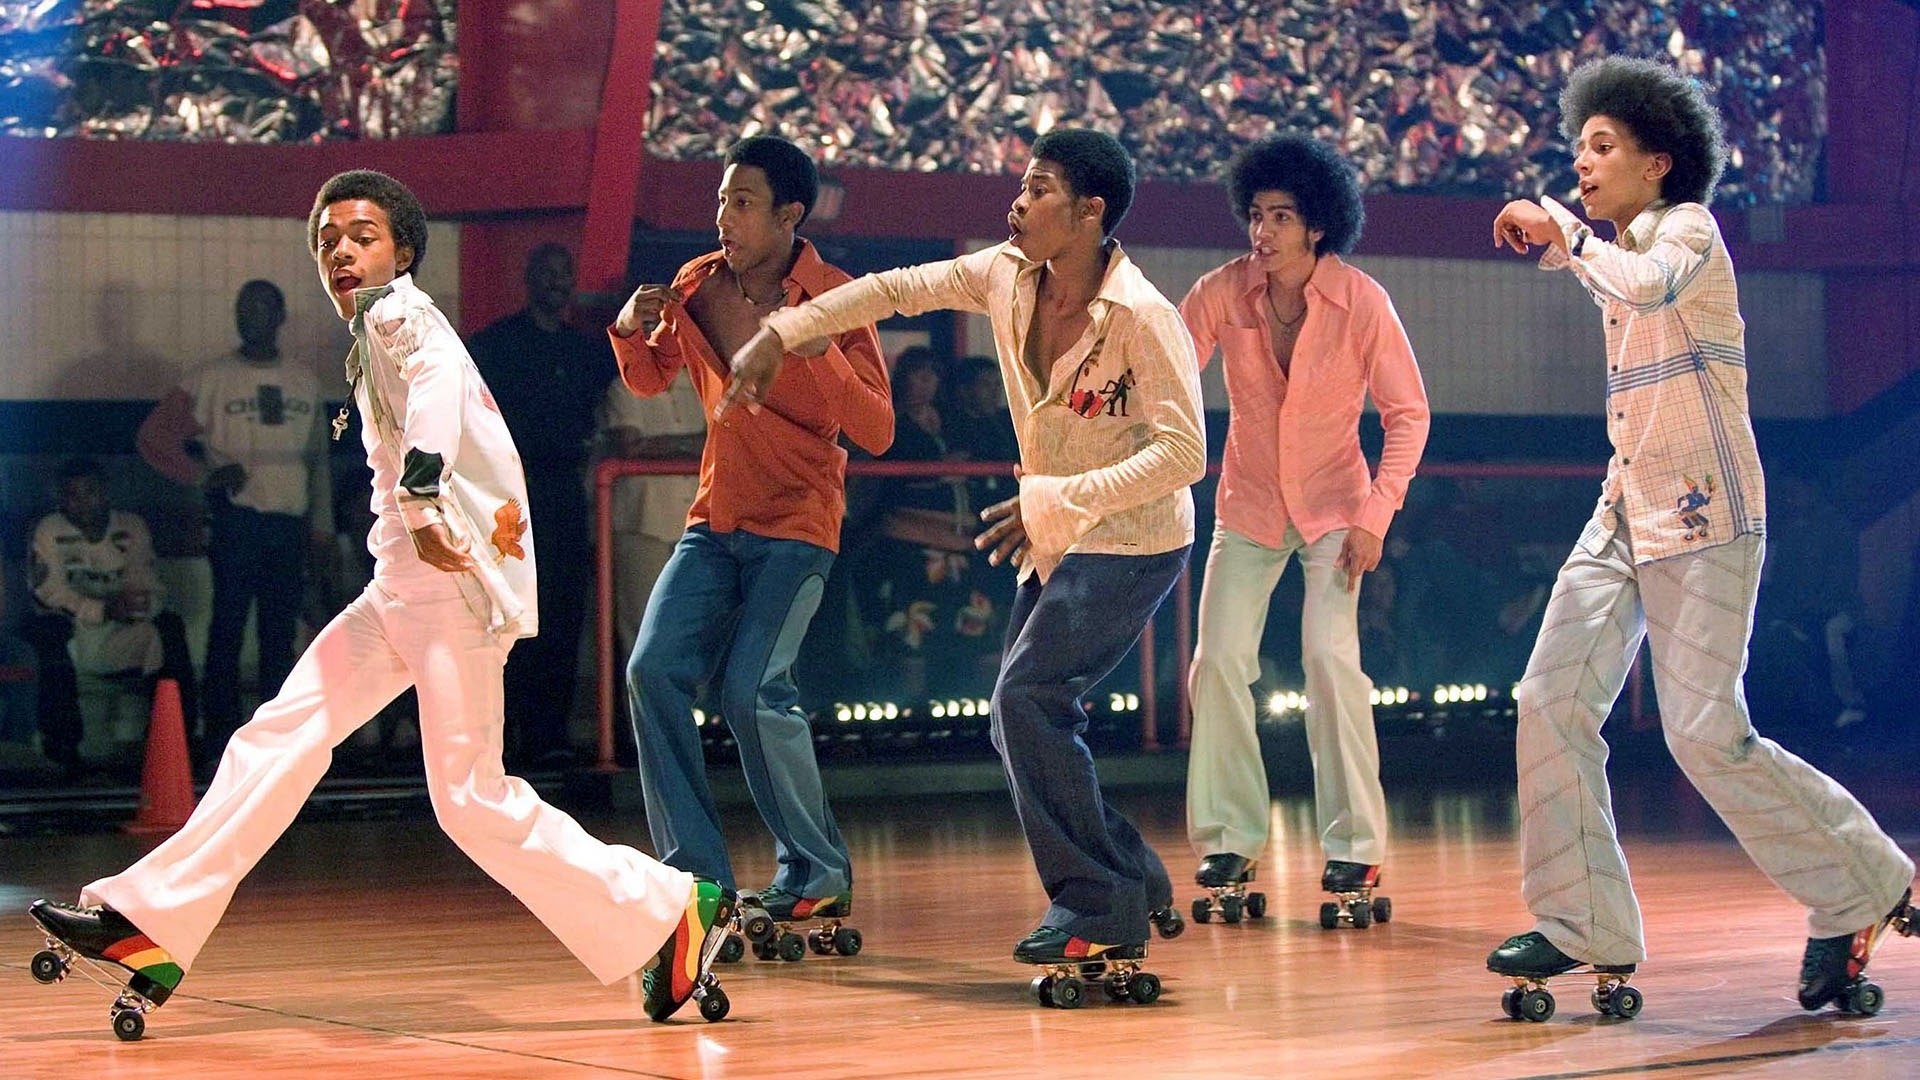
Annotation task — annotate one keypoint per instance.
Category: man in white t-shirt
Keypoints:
(649, 512)
(97, 607)
(248, 430)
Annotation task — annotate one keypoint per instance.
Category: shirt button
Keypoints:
(1619, 416)
(1613, 322)
(1616, 367)
(1626, 461)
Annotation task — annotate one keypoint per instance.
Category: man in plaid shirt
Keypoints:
(1672, 554)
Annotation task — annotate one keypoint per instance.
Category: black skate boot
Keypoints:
(1225, 876)
(1834, 969)
(1223, 869)
(1530, 960)
(1353, 904)
(1530, 955)
(768, 919)
(1071, 962)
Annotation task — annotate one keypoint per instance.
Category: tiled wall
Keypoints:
(1503, 338)
(119, 306)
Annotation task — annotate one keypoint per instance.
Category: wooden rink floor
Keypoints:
(372, 948)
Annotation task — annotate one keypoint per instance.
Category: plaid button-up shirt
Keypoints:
(1685, 472)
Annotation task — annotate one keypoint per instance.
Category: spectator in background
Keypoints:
(99, 607)
(1807, 614)
(978, 425)
(247, 429)
(919, 583)
(548, 378)
(649, 512)
(979, 428)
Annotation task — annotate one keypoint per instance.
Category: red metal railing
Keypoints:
(613, 469)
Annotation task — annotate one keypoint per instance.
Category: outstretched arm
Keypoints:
(954, 284)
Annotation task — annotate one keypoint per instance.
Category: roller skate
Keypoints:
(683, 968)
(1530, 960)
(768, 919)
(1834, 969)
(1167, 922)
(1353, 902)
(1070, 963)
(1225, 878)
(106, 945)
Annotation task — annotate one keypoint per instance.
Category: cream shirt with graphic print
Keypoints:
(1684, 463)
(1111, 443)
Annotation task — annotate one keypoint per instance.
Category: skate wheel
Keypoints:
(1257, 905)
(1624, 1002)
(1144, 988)
(790, 948)
(1042, 989)
(758, 927)
(48, 968)
(1116, 990)
(763, 950)
(1069, 992)
(1230, 909)
(1329, 915)
(1202, 911)
(1510, 1002)
(1864, 998)
(1361, 914)
(1168, 922)
(1536, 1005)
(732, 949)
(714, 1005)
(128, 1024)
(1382, 909)
(1601, 1004)
(846, 941)
(820, 942)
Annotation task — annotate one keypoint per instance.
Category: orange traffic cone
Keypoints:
(166, 787)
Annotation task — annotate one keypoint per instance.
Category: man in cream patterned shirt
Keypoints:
(1105, 394)
(1672, 555)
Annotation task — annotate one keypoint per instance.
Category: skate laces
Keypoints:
(1820, 956)
(774, 894)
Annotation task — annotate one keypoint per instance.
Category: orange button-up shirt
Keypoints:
(779, 472)
(1293, 444)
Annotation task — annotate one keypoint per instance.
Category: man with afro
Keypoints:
(1305, 338)
(1671, 555)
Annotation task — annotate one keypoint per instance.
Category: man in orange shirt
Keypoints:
(1305, 339)
(744, 581)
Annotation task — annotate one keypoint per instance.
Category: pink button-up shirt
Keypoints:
(1293, 444)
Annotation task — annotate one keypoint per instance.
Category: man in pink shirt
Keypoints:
(1305, 338)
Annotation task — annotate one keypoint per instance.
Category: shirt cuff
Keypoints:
(1052, 521)
(1574, 231)
(1375, 516)
(417, 513)
(794, 326)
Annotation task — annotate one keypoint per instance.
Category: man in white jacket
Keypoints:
(453, 588)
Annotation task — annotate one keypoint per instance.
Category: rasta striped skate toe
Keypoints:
(683, 967)
(101, 936)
